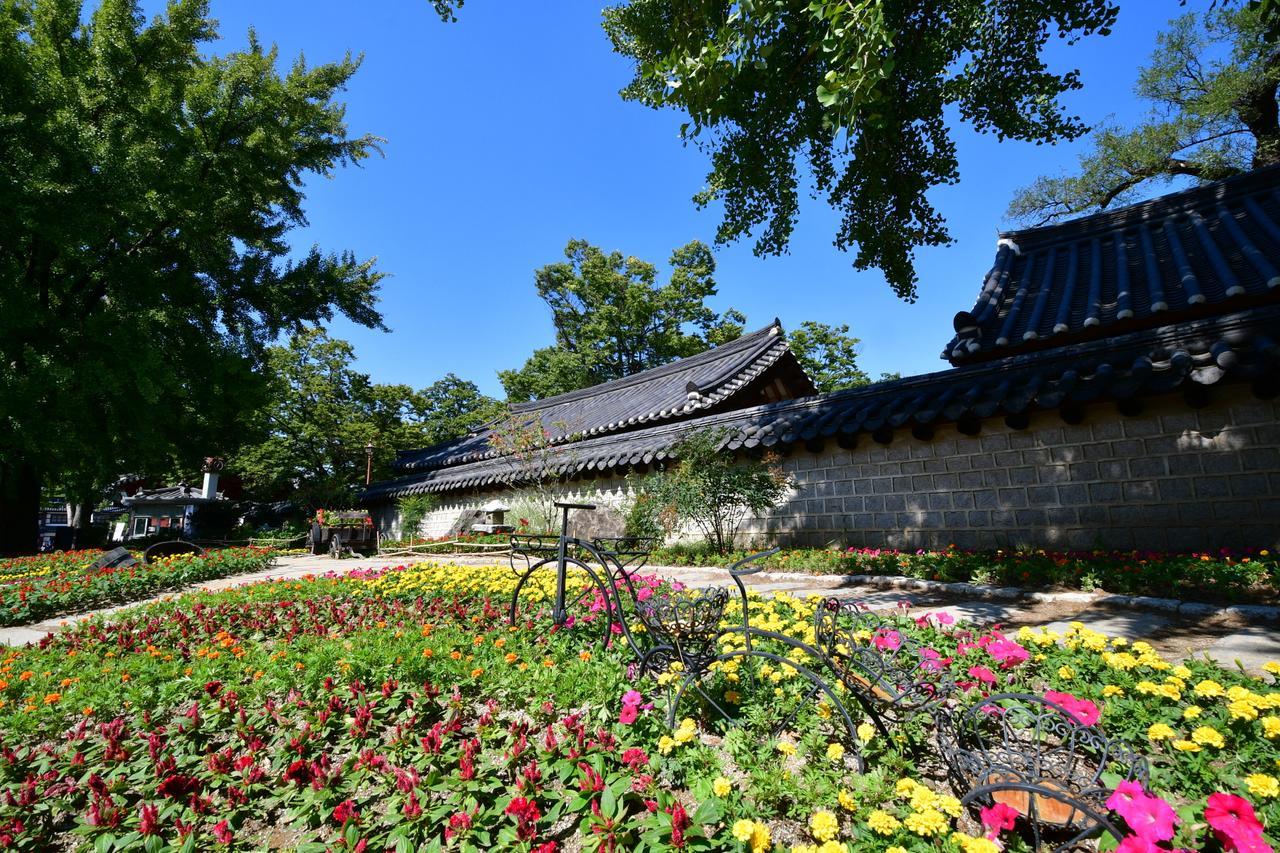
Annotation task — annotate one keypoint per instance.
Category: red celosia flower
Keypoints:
(345, 811)
(222, 832)
(679, 823)
(179, 786)
(299, 772)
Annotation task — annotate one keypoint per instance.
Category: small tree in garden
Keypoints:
(713, 491)
(413, 509)
(532, 464)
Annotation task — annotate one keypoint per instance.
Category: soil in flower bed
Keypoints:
(399, 710)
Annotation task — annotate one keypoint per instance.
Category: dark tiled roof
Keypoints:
(676, 390)
(170, 494)
(1193, 354)
(1202, 251)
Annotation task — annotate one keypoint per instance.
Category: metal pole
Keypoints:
(368, 463)
(558, 614)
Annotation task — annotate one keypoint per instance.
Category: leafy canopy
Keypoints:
(323, 413)
(612, 318)
(1212, 85)
(149, 195)
(829, 354)
(856, 90)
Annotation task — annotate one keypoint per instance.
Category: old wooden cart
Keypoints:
(339, 532)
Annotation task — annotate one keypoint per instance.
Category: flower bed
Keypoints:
(398, 710)
(1225, 575)
(34, 588)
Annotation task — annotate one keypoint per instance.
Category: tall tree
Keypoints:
(149, 194)
(829, 354)
(859, 92)
(612, 318)
(322, 413)
(1212, 87)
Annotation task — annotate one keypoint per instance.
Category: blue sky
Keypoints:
(506, 137)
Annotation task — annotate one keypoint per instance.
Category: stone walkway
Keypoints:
(1228, 640)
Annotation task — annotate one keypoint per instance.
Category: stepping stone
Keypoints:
(981, 612)
(1252, 647)
(1133, 625)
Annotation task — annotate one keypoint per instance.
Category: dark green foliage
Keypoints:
(855, 95)
(322, 413)
(1212, 84)
(149, 192)
(612, 318)
(413, 509)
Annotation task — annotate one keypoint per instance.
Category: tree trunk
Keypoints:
(79, 516)
(19, 509)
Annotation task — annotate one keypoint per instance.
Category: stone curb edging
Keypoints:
(1199, 609)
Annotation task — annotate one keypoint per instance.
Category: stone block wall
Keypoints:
(1172, 478)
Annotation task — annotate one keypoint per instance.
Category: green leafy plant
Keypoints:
(712, 491)
(413, 509)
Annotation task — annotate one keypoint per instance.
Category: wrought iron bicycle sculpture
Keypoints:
(1018, 749)
(685, 627)
(1038, 758)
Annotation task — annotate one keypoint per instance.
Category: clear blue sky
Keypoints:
(507, 137)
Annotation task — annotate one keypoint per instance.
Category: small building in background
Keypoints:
(174, 509)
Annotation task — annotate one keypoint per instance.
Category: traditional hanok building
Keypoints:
(1114, 386)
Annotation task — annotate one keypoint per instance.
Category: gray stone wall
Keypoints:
(1172, 478)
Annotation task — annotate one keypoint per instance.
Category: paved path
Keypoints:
(1226, 640)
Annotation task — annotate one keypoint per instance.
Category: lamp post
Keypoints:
(368, 463)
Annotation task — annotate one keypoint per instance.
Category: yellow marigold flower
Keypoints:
(824, 825)
(665, 745)
(721, 786)
(866, 732)
(1208, 736)
(1272, 667)
(1192, 712)
(832, 847)
(1186, 746)
(786, 748)
(1112, 690)
(905, 786)
(1147, 688)
(949, 806)
(883, 822)
(1271, 727)
(1160, 731)
(743, 830)
(846, 800)
(1209, 689)
(1066, 673)
(761, 838)
(733, 697)
(923, 799)
(1242, 709)
(835, 751)
(926, 823)
(1262, 785)
(824, 710)
(897, 848)
(1182, 671)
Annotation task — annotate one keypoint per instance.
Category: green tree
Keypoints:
(612, 318)
(1212, 86)
(829, 354)
(712, 491)
(857, 89)
(323, 413)
(149, 194)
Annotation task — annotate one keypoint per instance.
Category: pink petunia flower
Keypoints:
(983, 674)
(1082, 711)
(1234, 824)
(887, 640)
(998, 818)
(1006, 652)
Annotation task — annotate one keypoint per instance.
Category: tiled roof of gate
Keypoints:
(676, 390)
(1195, 353)
(1203, 251)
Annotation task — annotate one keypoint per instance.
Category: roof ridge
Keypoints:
(1253, 181)
(710, 354)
